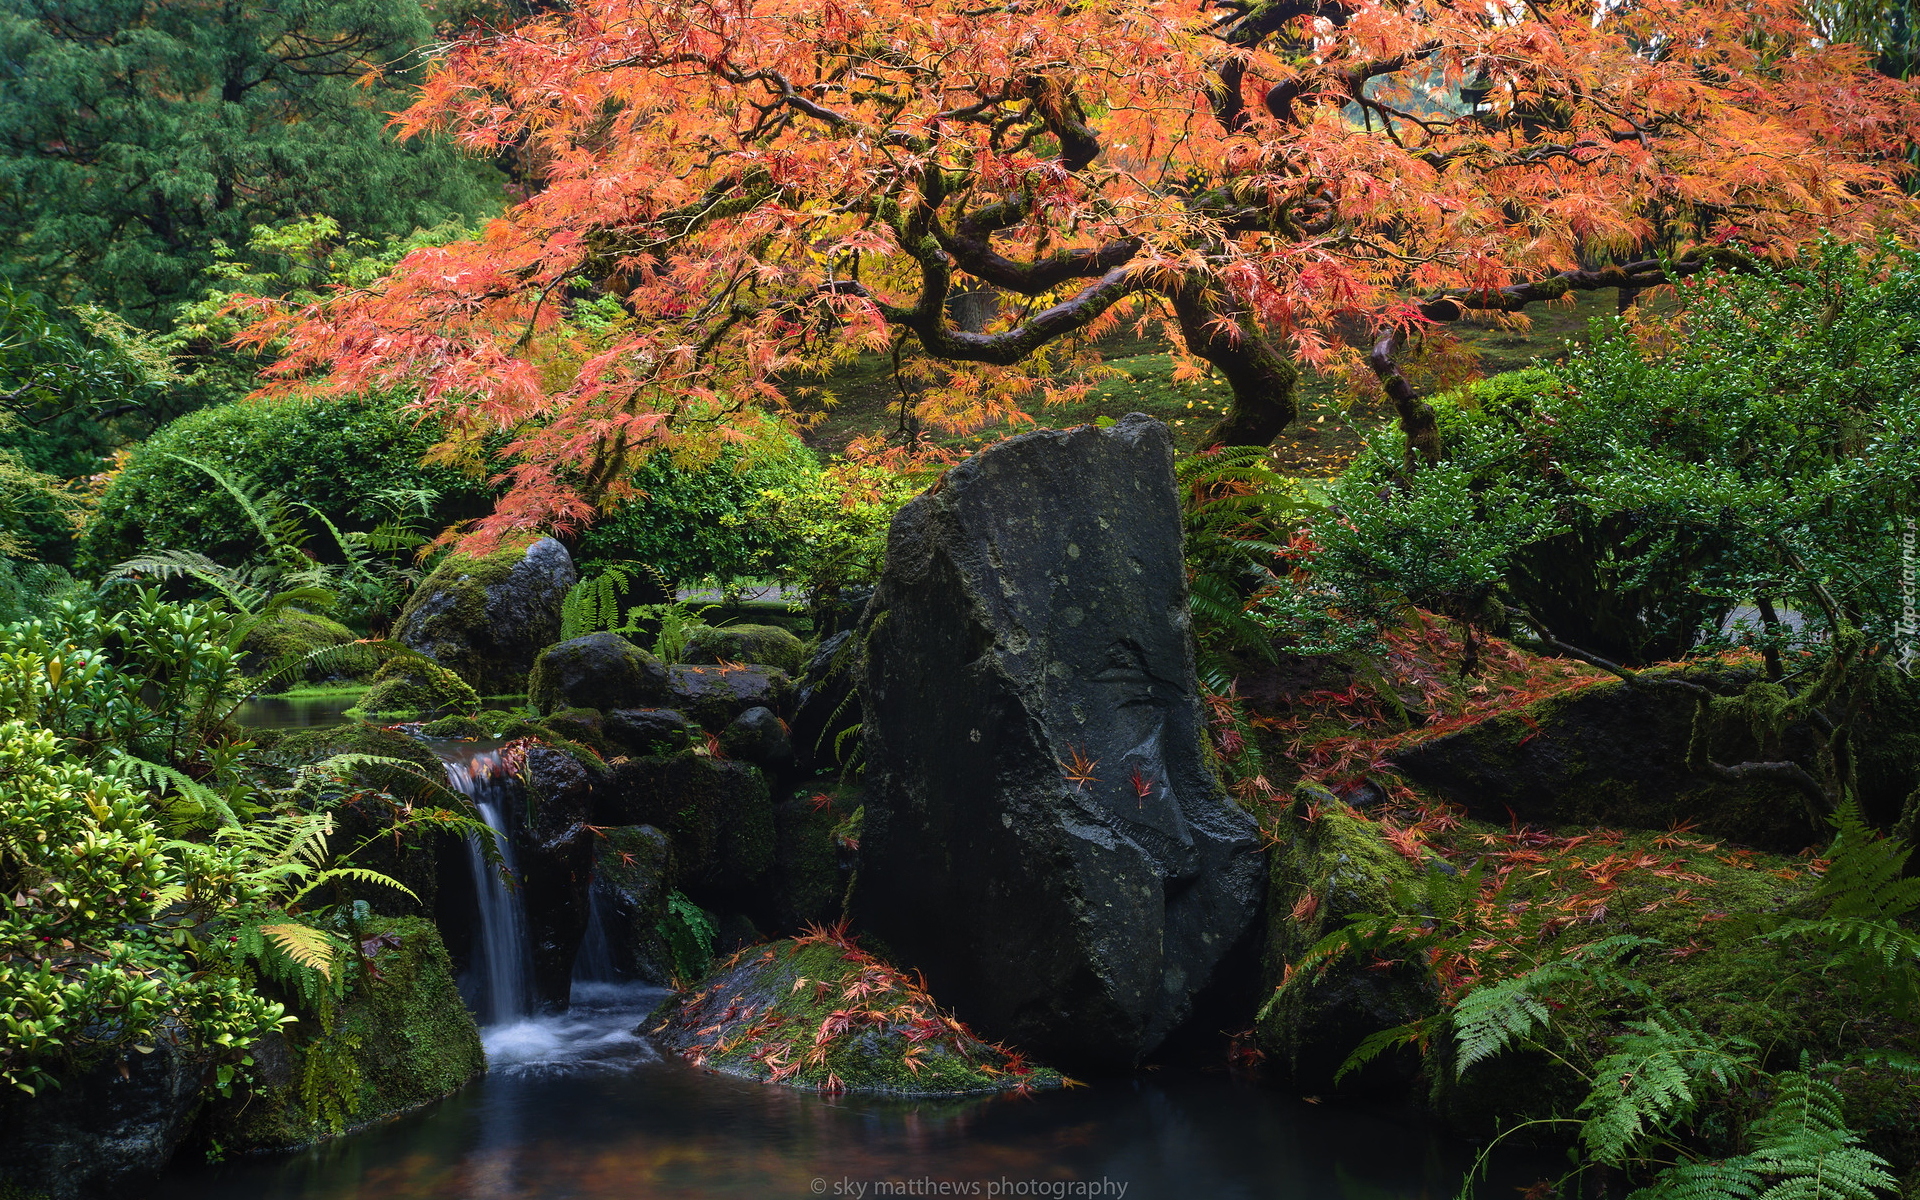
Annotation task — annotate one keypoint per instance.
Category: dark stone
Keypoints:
(556, 867)
(486, 618)
(583, 726)
(826, 704)
(633, 875)
(409, 1038)
(1033, 615)
(1608, 754)
(104, 1131)
(1330, 866)
(837, 610)
(807, 884)
(718, 812)
(766, 645)
(601, 670)
(758, 737)
(642, 731)
(713, 696)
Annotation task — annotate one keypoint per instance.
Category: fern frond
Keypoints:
(1656, 1076)
(305, 945)
(161, 777)
(1804, 1140)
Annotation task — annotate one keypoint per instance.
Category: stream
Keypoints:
(579, 1106)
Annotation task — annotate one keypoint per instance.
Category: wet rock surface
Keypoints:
(1042, 837)
(486, 618)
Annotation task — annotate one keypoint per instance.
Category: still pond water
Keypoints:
(578, 1107)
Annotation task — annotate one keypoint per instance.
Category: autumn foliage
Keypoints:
(761, 188)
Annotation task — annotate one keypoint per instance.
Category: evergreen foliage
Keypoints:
(137, 137)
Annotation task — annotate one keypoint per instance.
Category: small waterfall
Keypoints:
(502, 957)
(593, 963)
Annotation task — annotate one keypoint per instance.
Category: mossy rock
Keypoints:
(410, 688)
(643, 731)
(808, 885)
(601, 670)
(578, 726)
(1330, 865)
(633, 874)
(1609, 754)
(291, 634)
(821, 1013)
(718, 812)
(714, 695)
(486, 618)
(402, 1039)
(767, 645)
(301, 746)
(465, 729)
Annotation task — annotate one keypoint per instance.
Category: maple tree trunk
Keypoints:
(1265, 382)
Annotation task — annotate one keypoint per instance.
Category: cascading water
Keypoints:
(502, 957)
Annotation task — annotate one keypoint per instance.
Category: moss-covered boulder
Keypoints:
(401, 1039)
(633, 875)
(1610, 754)
(366, 819)
(1330, 865)
(765, 645)
(819, 1012)
(290, 635)
(759, 737)
(718, 812)
(600, 670)
(407, 688)
(714, 696)
(808, 885)
(642, 731)
(486, 618)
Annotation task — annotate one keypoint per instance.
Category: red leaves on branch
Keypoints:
(762, 188)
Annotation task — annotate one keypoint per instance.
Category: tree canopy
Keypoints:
(137, 136)
(761, 187)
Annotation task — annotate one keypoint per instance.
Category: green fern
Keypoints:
(1802, 1150)
(1492, 1018)
(592, 605)
(1658, 1074)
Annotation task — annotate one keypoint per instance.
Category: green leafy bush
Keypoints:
(1757, 448)
(102, 951)
(349, 458)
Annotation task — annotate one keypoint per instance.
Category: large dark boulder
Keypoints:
(105, 1131)
(484, 619)
(758, 737)
(556, 867)
(633, 874)
(600, 670)
(642, 731)
(1610, 754)
(715, 695)
(768, 645)
(1042, 835)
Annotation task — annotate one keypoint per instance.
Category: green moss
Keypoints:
(401, 1039)
(291, 635)
(466, 729)
(807, 886)
(821, 1013)
(718, 812)
(578, 726)
(1329, 866)
(768, 645)
(298, 746)
(408, 688)
(452, 601)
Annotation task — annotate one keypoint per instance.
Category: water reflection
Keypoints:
(577, 1107)
(295, 712)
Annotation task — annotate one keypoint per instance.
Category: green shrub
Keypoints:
(1758, 448)
(346, 457)
(697, 523)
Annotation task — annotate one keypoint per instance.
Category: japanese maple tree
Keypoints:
(742, 191)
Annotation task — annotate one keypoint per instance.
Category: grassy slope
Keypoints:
(1325, 438)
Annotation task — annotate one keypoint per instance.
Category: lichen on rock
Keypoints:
(486, 618)
(766, 645)
(819, 1012)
